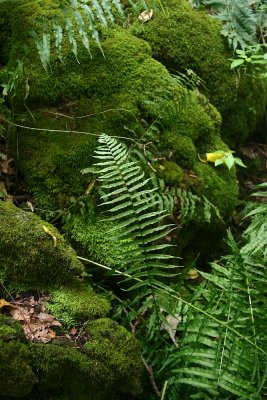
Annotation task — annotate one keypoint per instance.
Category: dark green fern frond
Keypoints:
(256, 233)
(240, 20)
(228, 355)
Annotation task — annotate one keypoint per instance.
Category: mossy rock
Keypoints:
(183, 38)
(17, 377)
(62, 371)
(33, 253)
(184, 151)
(116, 348)
(142, 89)
(171, 173)
(76, 305)
(109, 362)
(121, 94)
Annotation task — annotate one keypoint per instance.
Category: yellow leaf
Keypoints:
(4, 303)
(51, 234)
(212, 157)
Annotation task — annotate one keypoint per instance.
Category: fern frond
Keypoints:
(79, 20)
(212, 356)
(240, 20)
(134, 206)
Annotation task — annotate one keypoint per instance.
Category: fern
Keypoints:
(214, 356)
(127, 196)
(77, 20)
(242, 20)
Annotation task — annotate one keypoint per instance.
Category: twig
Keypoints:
(151, 377)
(147, 367)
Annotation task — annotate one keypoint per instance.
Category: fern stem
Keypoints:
(59, 130)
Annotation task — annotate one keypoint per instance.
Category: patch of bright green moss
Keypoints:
(184, 151)
(172, 173)
(97, 242)
(33, 254)
(72, 305)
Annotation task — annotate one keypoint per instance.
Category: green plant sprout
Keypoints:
(223, 157)
(255, 56)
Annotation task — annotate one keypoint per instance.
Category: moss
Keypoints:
(184, 38)
(171, 173)
(119, 94)
(219, 185)
(74, 305)
(32, 257)
(17, 377)
(109, 362)
(117, 349)
(51, 162)
(184, 151)
(66, 372)
(10, 329)
(94, 239)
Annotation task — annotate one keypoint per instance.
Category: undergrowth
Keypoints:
(208, 342)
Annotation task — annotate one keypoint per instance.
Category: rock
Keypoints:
(17, 377)
(185, 38)
(33, 253)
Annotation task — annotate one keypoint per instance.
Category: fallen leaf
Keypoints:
(192, 274)
(51, 234)
(19, 314)
(145, 16)
(73, 331)
(170, 326)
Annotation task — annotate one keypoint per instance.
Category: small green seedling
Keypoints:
(223, 157)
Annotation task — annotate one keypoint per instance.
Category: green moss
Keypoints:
(10, 329)
(96, 241)
(65, 371)
(76, 305)
(117, 349)
(219, 185)
(17, 377)
(184, 151)
(119, 94)
(109, 362)
(32, 257)
(171, 173)
(184, 38)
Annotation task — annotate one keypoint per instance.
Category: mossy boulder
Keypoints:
(122, 94)
(17, 377)
(108, 363)
(183, 38)
(33, 253)
(117, 349)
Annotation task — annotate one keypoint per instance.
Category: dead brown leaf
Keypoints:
(36, 321)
